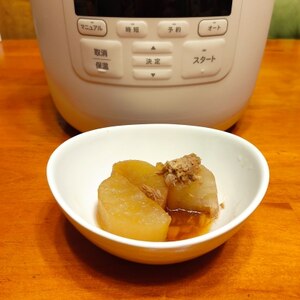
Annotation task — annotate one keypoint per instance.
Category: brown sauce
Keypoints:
(184, 224)
(187, 224)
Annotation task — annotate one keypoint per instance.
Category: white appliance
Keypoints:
(112, 62)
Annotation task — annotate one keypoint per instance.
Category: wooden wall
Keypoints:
(16, 19)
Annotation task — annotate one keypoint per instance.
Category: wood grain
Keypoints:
(43, 257)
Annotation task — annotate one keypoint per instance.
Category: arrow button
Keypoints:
(158, 74)
(152, 47)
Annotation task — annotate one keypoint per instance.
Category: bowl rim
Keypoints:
(234, 223)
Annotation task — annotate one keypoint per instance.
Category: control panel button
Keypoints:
(173, 29)
(134, 29)
(212, 27)
(152, 61)
(102, 58)
(152, 47)
(154, 74)
(92, 27)
(202, 58)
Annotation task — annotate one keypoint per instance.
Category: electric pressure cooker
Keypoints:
(112, 62)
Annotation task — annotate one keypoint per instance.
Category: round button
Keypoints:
(136, 29)
(173, 29)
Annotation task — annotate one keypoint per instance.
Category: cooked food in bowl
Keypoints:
(170, 201)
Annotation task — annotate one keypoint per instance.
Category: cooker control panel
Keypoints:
(157, 52)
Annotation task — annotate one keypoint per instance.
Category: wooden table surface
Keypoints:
(43, 257)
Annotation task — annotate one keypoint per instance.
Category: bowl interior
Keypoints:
(78, 166)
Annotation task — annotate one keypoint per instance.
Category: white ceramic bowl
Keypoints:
(79, 165)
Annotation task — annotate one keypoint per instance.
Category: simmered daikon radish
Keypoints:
(191, 185)
(125, 210)
(145, 177)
